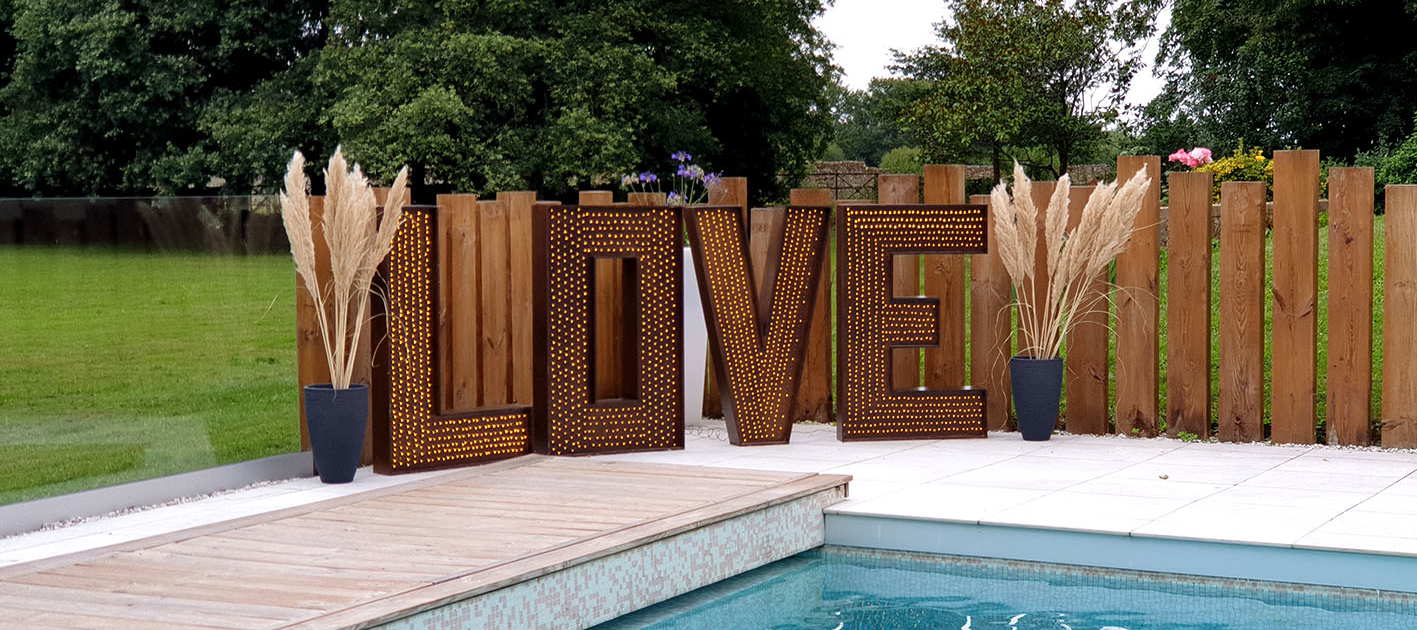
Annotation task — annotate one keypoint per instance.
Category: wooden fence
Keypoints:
(224, 225)
(485, 245)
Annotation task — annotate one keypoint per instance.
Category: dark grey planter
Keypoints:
(336, 418)
(1037, 392)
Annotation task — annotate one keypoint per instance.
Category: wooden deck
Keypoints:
(381, 555)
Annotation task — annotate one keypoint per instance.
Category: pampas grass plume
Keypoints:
(1074, 257)
(357, 241)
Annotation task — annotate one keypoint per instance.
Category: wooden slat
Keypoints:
(814, 403)
(1241, 312)
(1399, 419)
(905, 362)
(519, 238)
(1350, 306)
(991, 331)
(1188, 245)
(310, 361)
(731, 191)
(764, 224)
(459, 284)
(496, 332)
(1294, 371)
(1086, 369)
(944, 280)
(1042, 192)
(1138, 346)
(609, 311)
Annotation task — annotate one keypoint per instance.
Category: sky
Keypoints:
(865, 31)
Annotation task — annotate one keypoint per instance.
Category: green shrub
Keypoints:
(903, 161)
(1242, 166)
(1400, 166)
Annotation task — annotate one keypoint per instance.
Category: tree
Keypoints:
(1026, 73)
(1335, 75)
(106, 96)
(557, 96)
(868, 122)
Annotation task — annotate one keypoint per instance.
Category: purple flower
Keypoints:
(683, 170)
(628, 180)
(681, 156)
(712, 179)
(673, 194)
(647, 177)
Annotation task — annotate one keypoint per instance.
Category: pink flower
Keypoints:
(1193, 158)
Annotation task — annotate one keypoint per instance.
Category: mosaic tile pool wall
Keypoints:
(599, 590)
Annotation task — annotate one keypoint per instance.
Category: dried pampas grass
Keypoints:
(1073, 258)
(357, 241)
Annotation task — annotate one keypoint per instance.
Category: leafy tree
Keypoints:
(557, 96)
(903, 161)
(105, 96)
(1335, 75)
(1017, 74)
(868, 122)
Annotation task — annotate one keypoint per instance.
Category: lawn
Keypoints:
(118, 365)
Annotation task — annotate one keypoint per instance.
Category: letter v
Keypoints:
(758, 336)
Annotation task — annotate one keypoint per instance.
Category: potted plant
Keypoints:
(1074, 258)
(358, 240)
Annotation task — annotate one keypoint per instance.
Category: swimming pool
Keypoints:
(839, 588)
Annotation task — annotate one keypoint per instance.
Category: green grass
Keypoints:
(118, 365)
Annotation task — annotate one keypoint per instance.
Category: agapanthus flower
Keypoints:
(683, 170)
(681, 156)
(628, 180)
(647, 177)
(695, 172)
(712, 179)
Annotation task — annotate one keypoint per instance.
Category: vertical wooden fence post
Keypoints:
(1086, 371)
(609, 311)
(1042, 192)
(1138, 348)
(905, 362)
(1350, 305)
(1188, 241)
(1293, 376)
(459, 321)
(1242, 311)
(311, 367)
(991, 328)
(519, 250)
(944, 279)
(814, 392)
(732, 191)
(1399, 303)
(496, 303)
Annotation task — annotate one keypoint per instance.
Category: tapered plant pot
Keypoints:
(1037, 392)
(336, 418)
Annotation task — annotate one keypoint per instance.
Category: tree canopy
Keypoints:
(158, 95)
(1335, 75)
(868, 122)
(1015, 75)
(105, 96)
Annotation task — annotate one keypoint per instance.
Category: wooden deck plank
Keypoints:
(376, 556)
(550, 561)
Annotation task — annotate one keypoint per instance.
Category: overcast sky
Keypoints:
(865, 31)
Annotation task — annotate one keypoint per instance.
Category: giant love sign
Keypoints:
(758, 336)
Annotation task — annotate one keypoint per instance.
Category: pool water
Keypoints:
(837, 588)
